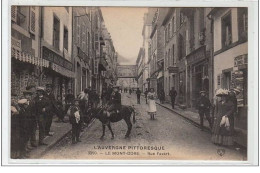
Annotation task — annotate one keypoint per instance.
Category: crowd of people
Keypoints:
(36, 109)
(38, 106)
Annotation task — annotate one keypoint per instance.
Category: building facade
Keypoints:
(56, 47)
(26, 63)
(231, 46)
(140, 65)
(82, 52)
(156, 59)
(188, 47)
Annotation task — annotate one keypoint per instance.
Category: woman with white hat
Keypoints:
(221, 132)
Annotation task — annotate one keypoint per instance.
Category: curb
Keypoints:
(187, 119)
(49, 147)
(207, 129)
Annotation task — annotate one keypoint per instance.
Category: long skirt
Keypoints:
(220, 135)
(151, 106)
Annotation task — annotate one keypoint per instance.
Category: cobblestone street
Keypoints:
(171, 137)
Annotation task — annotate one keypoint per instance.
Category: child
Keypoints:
(75, 120)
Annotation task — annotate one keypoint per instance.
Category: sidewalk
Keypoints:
(240, 137)
(60, 131)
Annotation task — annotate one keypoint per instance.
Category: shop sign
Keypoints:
(172, 69)
(57, 59)
(196, 55)
(16, 44)
(240, 60)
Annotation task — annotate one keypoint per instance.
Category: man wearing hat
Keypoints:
(115, 102)
(31, 118)
(75, 120)
(42, 106)
(15, 127)
(25, 114)
(204, 109)
(49, 115)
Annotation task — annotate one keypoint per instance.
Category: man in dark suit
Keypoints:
(204, 109)
(69, 99)
(41, 106)
(115, 102)
(49, 114)
(173, 94)
(138, 94)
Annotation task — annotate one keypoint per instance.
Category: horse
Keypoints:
(125, 114)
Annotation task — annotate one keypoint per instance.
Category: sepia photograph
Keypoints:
(113, 83)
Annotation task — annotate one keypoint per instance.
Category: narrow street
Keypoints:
(172, 136)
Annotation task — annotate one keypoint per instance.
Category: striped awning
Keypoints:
(25, 57)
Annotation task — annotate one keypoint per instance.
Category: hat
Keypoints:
(221, 92)
(22, 101)
(40, 88)
(49, 85)
(202, 92)
(27, 92)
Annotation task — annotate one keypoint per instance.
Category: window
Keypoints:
(242, 23)
(166, 35)
(182, 18)
(173, 25)
(173, 56)
(32, 20)
(169, 57)
(22, 12)
(56, 33)
(65, 38)
(166, 60)
(88, 43)
(226, 30)
(169, 30)
(227, 80)
(82, 38)
(181, 45)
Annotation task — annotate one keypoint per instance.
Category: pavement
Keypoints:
(59, 131)
(178, 138)
(241, 135)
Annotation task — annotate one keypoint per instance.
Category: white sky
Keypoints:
(125, 26)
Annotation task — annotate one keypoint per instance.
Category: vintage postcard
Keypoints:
(152, 84)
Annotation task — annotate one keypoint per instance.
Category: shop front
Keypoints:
(25, 67)
(239, 80)
(59, 73)
(198, 78)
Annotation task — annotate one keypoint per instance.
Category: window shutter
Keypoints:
(219, 81)
(32, 20)
(14, 13)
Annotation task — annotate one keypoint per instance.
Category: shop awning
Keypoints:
(63, 71)
(25, 57)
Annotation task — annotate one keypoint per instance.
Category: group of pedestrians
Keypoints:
(34, 109)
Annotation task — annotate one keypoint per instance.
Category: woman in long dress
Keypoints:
(222, 134)
(151, 103)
